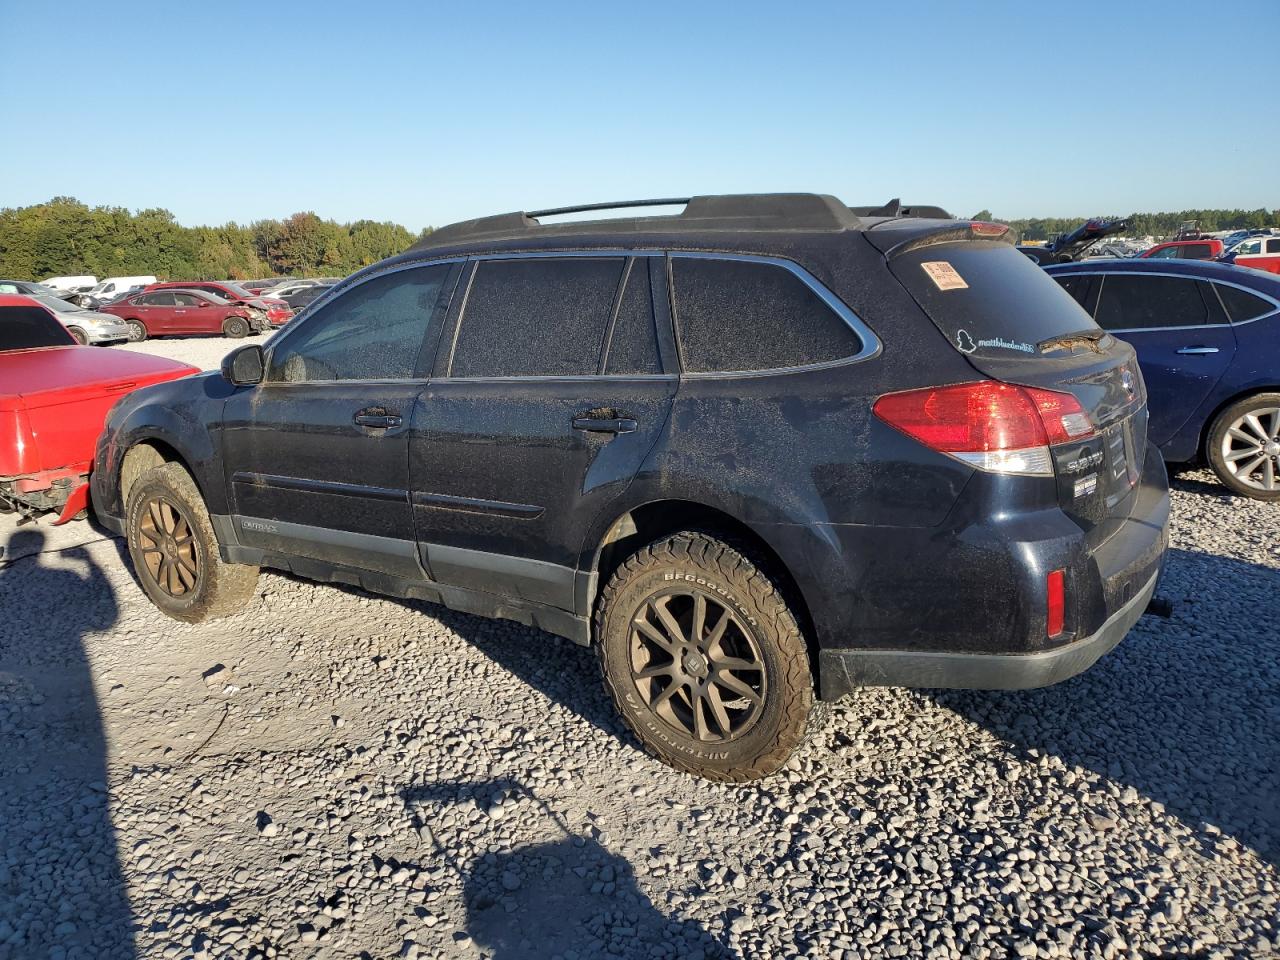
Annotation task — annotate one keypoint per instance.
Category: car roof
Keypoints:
(1198, 269)
(18, 300)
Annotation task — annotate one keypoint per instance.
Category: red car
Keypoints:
(278, 312)
(54, 396)
(160, 313)
(1206, 248)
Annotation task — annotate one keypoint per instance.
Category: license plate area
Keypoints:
(1122, 464)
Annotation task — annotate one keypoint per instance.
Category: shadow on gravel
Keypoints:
(563, 897)
(1186, 710)
(61, 888)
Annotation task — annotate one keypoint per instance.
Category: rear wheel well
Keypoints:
(653, 521)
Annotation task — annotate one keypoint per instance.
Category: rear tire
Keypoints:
(137, 332)
(235, 327)
(704, 659)
(1243, 447)
(78, 335)
(175, 553)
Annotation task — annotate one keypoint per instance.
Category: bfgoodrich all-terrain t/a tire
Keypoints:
(174, 550)
(704, 659)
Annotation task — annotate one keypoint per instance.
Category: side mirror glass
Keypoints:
(244, 367)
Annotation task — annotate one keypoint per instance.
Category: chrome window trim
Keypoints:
(871, 345)
(1178, 276)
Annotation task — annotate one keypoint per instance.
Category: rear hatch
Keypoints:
(1016, 325)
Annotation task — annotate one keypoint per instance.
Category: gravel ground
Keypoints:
(332, 774)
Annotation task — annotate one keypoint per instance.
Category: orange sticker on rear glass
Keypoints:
(944, 275)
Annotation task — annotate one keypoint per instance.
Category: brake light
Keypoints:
(997, 427)
(1056, 604)
(983, 228)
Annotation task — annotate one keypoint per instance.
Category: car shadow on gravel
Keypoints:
(62, 891)
(1186, 710)
(565, 896)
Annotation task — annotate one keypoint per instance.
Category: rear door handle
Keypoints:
(1197, 351)
(380, 420)
(615, 425)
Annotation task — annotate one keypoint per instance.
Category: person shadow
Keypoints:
(1186, 711)
(62, 892)
(563, 897)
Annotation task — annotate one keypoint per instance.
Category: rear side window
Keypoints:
(157, 300)
(374, 331)
(1273, 246)
(737, 315)
(536, 317)
(633, 341)
(1197, 251)
(1241, 305)
(24, 328)
(988, 299)
(1077, 285)
(1141, 303)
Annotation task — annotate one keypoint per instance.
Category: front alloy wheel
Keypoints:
(166, 544)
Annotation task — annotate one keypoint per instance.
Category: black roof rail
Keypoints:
(748, 211)
(895, 208)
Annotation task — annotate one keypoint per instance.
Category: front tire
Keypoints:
(1243, 447)
(78, 335)
(175, 553)
(235, 327)
(704, 659)
(137, 332)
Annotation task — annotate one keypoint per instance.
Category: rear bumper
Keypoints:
(979, 615)
(843, 671)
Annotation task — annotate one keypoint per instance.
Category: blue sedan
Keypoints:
(1208, 340)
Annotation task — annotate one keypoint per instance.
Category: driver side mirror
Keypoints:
(244, 367)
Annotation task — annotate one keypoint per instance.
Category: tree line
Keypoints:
(64, 237)
(1146, 224)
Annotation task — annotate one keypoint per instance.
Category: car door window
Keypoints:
(1196, 251)
(1168, 253)
(186, 300)
(1249, 247)
(537, 316)
(374, 331)
(1143, 303)
(157, 300)
(1076, 284)
(1273, 246)
(1242, 305)
(738, 315)
(632, 346)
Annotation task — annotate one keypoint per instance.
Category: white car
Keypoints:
(70, 284)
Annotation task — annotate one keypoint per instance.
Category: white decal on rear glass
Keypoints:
(944, 275)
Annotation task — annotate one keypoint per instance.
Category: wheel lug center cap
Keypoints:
(695, 664)
(1272, 448)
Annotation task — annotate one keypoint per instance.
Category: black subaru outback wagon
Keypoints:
(759, 453)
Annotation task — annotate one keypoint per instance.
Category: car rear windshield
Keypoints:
(988, 299)
(24, 328)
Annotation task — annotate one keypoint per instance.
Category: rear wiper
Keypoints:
(1088, 339)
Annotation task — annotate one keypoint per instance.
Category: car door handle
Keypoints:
(379, 421)
(1197, 351)
(614, 425)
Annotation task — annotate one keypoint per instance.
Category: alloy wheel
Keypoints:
(1251, 449)
(167, 544)
(697, 665)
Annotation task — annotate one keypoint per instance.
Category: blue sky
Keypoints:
(424, 113)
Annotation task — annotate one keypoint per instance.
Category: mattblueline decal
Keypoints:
(967, 344)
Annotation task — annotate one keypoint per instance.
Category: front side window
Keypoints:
(741, 315)
(1143, 303)
(374, 331)
(541, 316)
(187, 300)
(156, 300)
(1249, 247)
(1168, 253)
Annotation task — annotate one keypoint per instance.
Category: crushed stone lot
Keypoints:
(333, 774)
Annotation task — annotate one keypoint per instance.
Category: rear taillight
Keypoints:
(997, 427)
(1056, 603)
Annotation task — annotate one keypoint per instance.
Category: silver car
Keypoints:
(86, 325)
